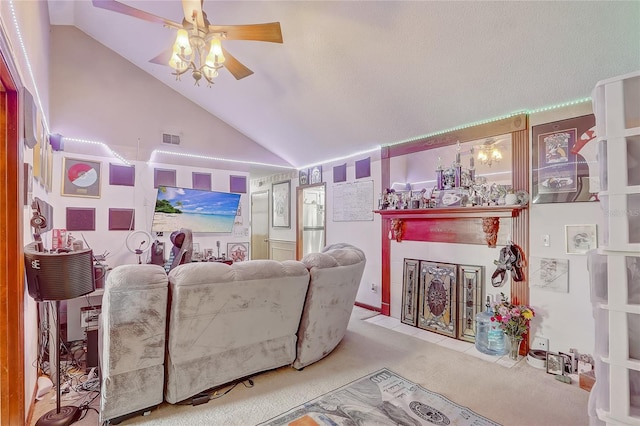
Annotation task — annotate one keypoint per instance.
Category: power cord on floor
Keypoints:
(206, 396)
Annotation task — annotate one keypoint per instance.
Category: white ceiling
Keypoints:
(353, 75)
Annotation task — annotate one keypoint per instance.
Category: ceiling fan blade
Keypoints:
(118, 7)
(237, 69)
(191, 8)
(163, 58)
(270, 32)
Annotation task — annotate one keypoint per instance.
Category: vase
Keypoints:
(514, 346)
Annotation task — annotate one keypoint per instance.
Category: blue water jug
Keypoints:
(490, 339)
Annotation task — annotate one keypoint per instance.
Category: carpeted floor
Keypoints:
(520, 396)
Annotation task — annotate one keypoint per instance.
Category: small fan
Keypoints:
(138, 242)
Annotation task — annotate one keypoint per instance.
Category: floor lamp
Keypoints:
(55, 277)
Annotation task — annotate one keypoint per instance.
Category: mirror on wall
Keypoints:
(491, 158)
(484, 178)
(311, 221)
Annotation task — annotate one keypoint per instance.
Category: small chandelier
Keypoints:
(198, 50)
(489, 153)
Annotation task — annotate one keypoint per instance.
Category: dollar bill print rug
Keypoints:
(380, 398)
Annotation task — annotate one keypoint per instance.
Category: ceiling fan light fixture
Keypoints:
(197, 44)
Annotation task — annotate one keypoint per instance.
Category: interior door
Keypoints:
(260, 225)
(310, 223)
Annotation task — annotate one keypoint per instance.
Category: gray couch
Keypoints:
(223, 323)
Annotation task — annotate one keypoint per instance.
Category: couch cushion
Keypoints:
(335, 276)
(231, 321)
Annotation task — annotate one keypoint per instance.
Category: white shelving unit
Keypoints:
(615, 277)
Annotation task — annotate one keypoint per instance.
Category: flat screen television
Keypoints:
(194, 209)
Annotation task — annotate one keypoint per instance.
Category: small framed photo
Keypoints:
(238, 252)
(555, 364)
(315, 175)
(208, 254)
(568, 362)
(303, 177)
(579, 239)
(450, 198)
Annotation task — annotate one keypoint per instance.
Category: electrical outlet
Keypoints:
(373, 287)
(541, 343)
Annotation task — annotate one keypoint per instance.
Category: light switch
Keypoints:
(545, 240)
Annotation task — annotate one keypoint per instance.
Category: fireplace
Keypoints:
(442, 297)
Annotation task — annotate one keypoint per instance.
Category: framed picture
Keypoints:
(549, 274)
(303, 177)
(238, 252)
(437, 307)
(579, 239)
(565, 166)
(80, 178)
(48, 178)
(315, 175)
(568, 362)
(450, 198)
(28, 184)
(555, 363)
(470, 300)
(410, 290)
(281, 204)
(208, 254)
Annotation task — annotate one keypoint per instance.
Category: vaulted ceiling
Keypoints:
(353, 75)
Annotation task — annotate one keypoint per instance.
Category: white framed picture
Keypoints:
(579, 239)
(549, 274)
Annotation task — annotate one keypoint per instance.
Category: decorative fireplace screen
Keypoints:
(442, 297)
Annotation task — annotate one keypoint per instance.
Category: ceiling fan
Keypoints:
(198, 44)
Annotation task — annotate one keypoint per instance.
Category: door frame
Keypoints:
(12, 360)
(299, 213)
(266, 191)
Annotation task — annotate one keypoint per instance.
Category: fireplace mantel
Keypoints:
(466, 225)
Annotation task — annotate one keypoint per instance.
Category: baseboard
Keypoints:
(32, 404)
(365, 306)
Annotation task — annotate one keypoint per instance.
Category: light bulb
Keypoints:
(211, 73)
(176, 63)
(182, 42)
(497, 155)
(215, 57)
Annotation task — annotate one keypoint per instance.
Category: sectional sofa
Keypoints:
(169, 338)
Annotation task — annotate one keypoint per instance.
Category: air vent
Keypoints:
(170, 139)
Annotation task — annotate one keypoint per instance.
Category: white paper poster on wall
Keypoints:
(549, 274)
(353, 201)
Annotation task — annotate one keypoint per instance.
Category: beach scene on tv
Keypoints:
(198, 210)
